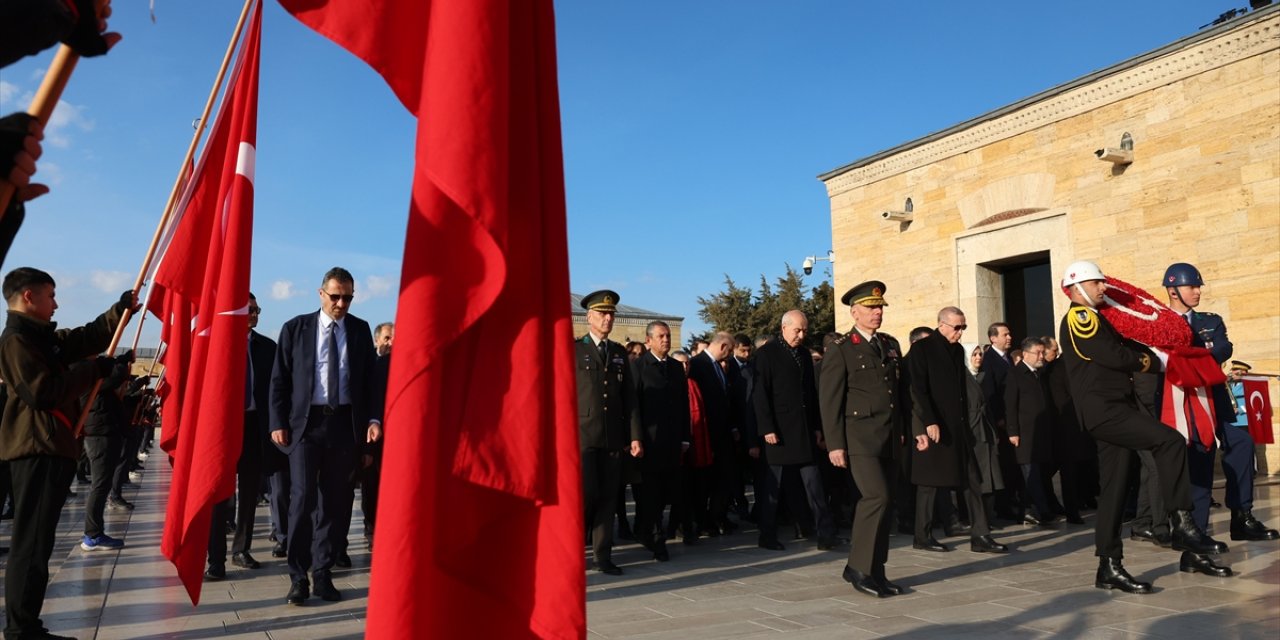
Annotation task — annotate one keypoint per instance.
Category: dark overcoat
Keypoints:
(786, 403)
(1028, 415)
(938, 396)
(859, 399)
(983, 436)
(662, 392)
(608, 417)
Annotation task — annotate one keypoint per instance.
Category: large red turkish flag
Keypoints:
(480, 523)
(207, 263)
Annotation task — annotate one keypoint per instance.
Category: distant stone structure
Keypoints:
(628, 323)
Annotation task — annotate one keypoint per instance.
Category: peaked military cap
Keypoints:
(604, 300)
(869, 294)
(1239, 365)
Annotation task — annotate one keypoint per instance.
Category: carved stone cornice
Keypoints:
(1196, 55)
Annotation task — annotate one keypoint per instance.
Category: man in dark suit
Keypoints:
(862, 422)
(717, 376)
(786, 408)
(1100, 364)
(261, 358)
(662, 394)
(943, 441)
(997, 363)
(608, 422)
(371, 476)
(1029, 423)
(321, 395)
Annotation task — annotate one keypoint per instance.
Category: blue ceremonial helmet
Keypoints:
(1181, 274)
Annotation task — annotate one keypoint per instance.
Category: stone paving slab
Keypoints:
(724, 587)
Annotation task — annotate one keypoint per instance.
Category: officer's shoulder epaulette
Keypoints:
(843, 337)
(1082, 321)
(1208, 314)
(887, 337)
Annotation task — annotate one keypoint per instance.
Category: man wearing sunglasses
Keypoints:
(321, 403)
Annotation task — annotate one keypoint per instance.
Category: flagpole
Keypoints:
(51, 88)
(168, 207)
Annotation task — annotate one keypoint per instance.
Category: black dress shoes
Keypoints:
(827, 544)
(1192, 563)
(279, 551)
(326, 591)
(930, 545)
(956, 530)
(609, 568)
(888, 587)
(343, 561)
(772, 545)
(986, 544)
(243, 559)
(660, 554)
(1074, 519)
(1159, 538)
(1246, 527)
(1111, 575)
(215, 572)
(1031, 520)
(298, 592)
(864, 583)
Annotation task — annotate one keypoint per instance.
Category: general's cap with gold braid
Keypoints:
(604, 300)
(1238, 365)
(867, 294)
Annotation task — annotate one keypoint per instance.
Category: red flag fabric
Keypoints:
(213, 245)
(481, 532)
(175, 333)
(1189, 376)
(1257, 403)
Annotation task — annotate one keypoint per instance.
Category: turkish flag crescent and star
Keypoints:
(1257, 403)
(207, 263)
(480, 531)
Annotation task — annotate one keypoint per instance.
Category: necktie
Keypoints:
(331, 388)
(875, 345)
(248, 382)
(603, 347)
(719, 373)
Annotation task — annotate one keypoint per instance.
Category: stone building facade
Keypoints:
(1000, 204)
(628, 323)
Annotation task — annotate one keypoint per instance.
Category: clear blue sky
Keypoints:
(693, 134)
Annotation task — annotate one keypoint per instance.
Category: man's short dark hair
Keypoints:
(1028, 343)
(383, 325)
(919, 333)
(648, 328)
(339, 274)
(24, 278)
(742, 340)
(994, 329)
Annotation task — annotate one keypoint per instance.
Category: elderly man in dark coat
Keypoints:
(786, 409)
(943, 455)
(1029, 423)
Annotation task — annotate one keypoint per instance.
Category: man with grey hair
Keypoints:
(786, 410)
(1029, 424)
(715, 374)
(662, 395)
(943, 448)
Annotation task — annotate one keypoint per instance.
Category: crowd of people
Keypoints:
(934, 437)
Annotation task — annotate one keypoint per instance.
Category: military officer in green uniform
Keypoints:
(1100, 364)
(862, 422)
(608, 422)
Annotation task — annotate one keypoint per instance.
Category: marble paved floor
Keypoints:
(724, 587)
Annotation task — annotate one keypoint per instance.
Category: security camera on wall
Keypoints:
(808, 266)
(897, 216)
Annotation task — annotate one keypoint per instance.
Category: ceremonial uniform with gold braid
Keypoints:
(1099, 365)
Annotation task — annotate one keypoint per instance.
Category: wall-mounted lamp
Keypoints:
(811, 260)
(1120, 156)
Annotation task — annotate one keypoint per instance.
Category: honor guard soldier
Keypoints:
(1099, 364)
(1182, 282)
(862, 422)
(608, 422)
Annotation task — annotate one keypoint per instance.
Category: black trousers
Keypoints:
(1150, 511)
(786, 481)
(280, 488)
(601, 475)
(244, 503)
(657, 488)
(869, 548)
(370, 482)
(40, 485)
(1117, 436)
(320, 469)
(104, 454)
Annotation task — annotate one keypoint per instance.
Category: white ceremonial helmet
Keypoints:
(1081, 271)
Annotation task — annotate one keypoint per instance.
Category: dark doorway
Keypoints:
(1028, 290)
